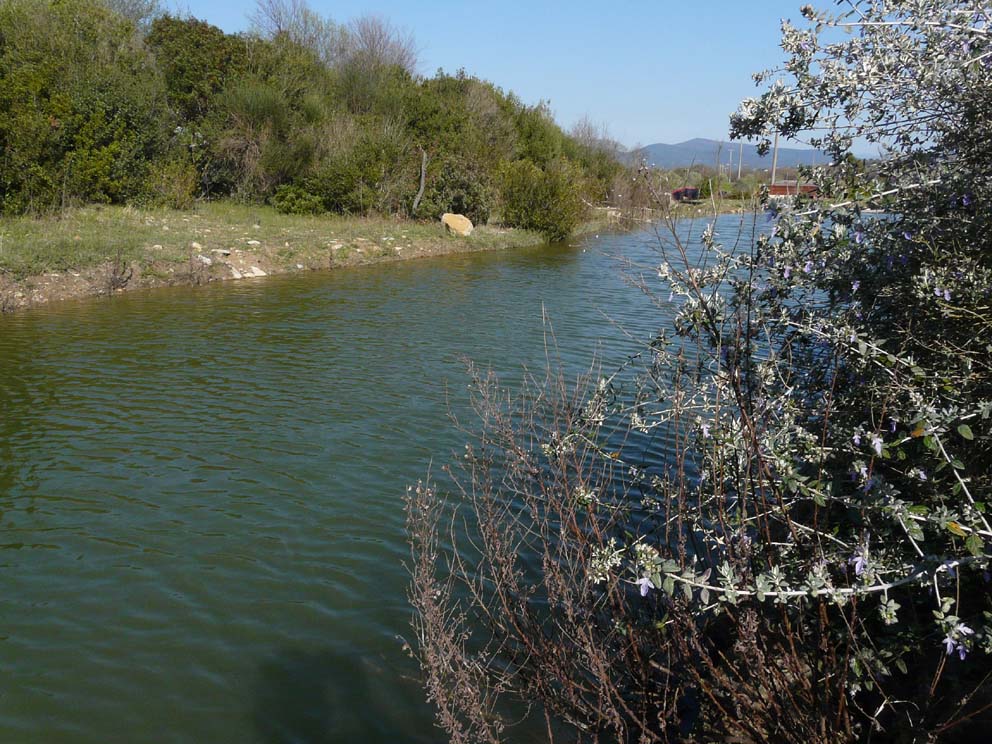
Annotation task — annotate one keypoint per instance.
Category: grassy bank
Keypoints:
(102, 249)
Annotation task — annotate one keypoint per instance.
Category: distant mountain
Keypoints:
(706, 151)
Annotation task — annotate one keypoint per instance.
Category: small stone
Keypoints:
(253, 242)
(255, 271)
(299, 266)
(235, 274)
(156, 247)
(222, 251)
(196, 246)
(204, 260)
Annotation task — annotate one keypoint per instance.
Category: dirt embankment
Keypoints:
(141, 250)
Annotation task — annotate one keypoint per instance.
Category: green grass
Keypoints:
(92, 236)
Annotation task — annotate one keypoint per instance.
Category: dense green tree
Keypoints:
(82, 105)
(197, 61)
(109, 101)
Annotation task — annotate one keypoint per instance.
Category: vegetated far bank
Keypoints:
(101, 250)
(302, 113)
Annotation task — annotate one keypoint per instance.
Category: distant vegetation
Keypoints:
(109, 102)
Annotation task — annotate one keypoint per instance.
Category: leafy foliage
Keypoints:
(82, 103)
(773, 525)
(111, 101)
(546, 201)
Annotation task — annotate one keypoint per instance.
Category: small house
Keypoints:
(791, 188)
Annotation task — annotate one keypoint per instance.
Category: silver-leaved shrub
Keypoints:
(773, 525)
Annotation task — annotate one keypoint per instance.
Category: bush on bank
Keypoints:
(773, 525)
(301, 111)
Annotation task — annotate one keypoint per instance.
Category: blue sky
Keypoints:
(652, 71)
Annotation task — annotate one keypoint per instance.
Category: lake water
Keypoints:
(201, 489)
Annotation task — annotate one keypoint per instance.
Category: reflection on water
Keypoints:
(201, 489)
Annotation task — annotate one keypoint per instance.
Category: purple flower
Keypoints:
(855, 285)
(966, 200)
(876, 442)
(647, 585)
(787, 272)
(950, 644)
(706, 430)
(947, 295)
(907, 235)
(858, 236)
(860, 564)
(808, 267)
(892, 425)
(856, 438)
(936, 291)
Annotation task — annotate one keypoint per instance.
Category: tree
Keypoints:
(198, 61)
(807, 558)
(297, 22)
(82, 105)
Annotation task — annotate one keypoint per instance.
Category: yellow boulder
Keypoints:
(457, 224)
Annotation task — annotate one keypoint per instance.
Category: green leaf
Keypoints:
(669, 585)
(901, 666)
(965, 431)
(975, 544)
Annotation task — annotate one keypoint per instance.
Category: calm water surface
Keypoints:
(201, 489)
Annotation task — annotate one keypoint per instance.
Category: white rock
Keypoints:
(235, 274)
(204, 260)
(222, 251)
(196, 246)
(255, 271)
(253, 242)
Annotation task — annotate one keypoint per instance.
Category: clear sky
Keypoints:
(651, 70)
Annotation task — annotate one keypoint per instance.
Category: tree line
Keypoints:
(112, 102)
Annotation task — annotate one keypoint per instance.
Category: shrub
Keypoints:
(773, 526)
(457, 186)
(172, 184)
(546, 201)
(290, 199)
(83, 105)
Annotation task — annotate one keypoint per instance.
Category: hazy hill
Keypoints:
(705, 152)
